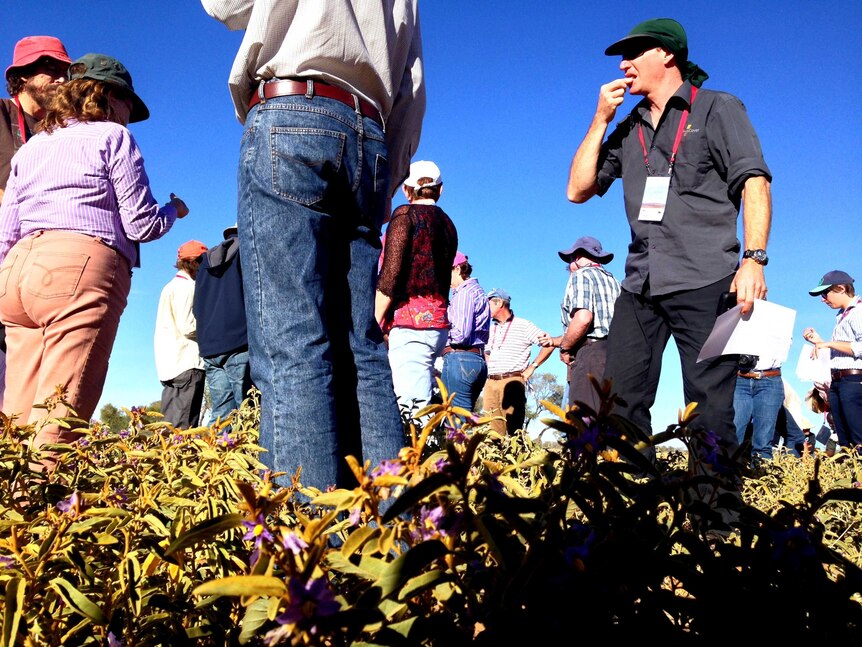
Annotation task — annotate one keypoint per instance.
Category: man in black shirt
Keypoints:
(688, 159)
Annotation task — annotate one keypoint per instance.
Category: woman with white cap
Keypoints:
(413, 287)
(77, 206)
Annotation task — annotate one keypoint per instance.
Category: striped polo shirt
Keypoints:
(509, 344)
(848, 327)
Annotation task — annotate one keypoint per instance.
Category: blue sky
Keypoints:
(512, 87)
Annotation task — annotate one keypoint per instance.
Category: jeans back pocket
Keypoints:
(55, 275)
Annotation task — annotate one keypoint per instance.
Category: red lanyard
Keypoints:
(848, 309)
(676, 141)
(506, 332)
(22, 126)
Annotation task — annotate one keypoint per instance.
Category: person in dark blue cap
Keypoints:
(845, 348)
(689, 159)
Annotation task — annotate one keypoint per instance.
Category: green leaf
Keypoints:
(13, 607)
(338, 499)
(238, 585)
(205, 530)
(414, 495)
(409, 565)
(78, 601)
(357, 539)
(842, 494)
(338, 562)
(255, 617)
(422, 583)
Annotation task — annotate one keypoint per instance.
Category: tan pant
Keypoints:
(61, 297)
(507, 398)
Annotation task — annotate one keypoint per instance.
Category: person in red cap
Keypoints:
(178, 362)
(39, 66)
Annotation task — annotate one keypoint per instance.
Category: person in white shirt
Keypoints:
(509, 366)
(178, 362)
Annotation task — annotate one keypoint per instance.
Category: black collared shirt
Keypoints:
(695, 244)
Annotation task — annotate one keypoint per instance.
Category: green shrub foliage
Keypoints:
(147, 535)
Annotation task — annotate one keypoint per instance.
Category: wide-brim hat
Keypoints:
(101, 67)
(590, 247)
(835, 277)
(30, 49)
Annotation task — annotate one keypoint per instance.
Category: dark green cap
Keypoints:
(670, 35)
(101, 67)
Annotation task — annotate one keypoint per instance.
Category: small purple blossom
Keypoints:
(455, 435)
(586, 441)
(7, 561)
(354, 516)
(257, 531)
(71, 506)
(433, 522)
(113, 641)
(83, 442)
(125, 433)
(118, 496)
(224, 440)
(307, 604)
(293, 542)
(387, 468)
(440, 464)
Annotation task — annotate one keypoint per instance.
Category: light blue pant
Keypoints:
(411, 355)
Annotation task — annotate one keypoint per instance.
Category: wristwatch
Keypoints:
(757, 255)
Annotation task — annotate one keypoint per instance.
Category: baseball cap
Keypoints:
(590, 246)
(190, 250)
(101, 67)
(421, 169)
(835, 277)
(31, 48)
(459, 258)
(497, 293)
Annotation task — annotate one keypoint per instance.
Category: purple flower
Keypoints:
(582, 537)
(125, 433)
(433, 522)
(354, 516)
(83, 442)
(440, 464)
(586, 441)
(7, 561)
(308, 602)
(118, 497)
(293, 542)
(455, 435)
(113, 641)
(792, 545)
(71, 506)
(225, 440)
(257, 531)
(387, 468)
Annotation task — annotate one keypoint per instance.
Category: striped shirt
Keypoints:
(87, 178)
(595, 289)
(848, 327)
(509, 345)
(469, 315)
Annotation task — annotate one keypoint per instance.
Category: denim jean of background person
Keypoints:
(758, 400)
(229, 381)
(312, 194)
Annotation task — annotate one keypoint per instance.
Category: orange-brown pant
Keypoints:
(61, 297)
(507, 398)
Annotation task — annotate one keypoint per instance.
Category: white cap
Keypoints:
(423, 169)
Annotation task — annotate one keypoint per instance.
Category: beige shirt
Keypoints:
(174, 341)
(372, 49)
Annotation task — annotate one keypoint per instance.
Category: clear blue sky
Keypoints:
(512, 87)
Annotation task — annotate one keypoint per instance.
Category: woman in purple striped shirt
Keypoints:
(76, 207)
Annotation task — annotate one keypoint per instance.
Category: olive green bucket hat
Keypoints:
(101, 67)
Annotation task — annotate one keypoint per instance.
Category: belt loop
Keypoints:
(309, 92)
(356, 105)
(260, 92)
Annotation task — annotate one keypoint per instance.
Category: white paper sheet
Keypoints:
(813, 370)
(766, 331)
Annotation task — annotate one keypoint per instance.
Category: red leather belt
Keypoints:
(505, 376)
(839, 373)
(312, 88)
(756, 375)
(467, 349)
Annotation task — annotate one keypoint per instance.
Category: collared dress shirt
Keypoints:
(469, 315)
(695, 243)
(509, 345)
(848, 327)
(377, 56)
(595, 289)
(87, 178)
(175, 344)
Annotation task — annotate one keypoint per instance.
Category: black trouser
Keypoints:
(640, 330)
(182, 398)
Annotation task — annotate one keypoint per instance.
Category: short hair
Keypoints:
(424, 192)
(465, 269)
(189, 265)
(81, 100)
(849, 290)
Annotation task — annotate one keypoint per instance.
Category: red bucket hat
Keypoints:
(31, 48)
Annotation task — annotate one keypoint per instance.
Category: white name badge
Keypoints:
(655, 198)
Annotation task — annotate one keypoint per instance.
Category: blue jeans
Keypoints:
(845, 401)
(229, 381)
(757, 400)
(464, 374)
(313, 190)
